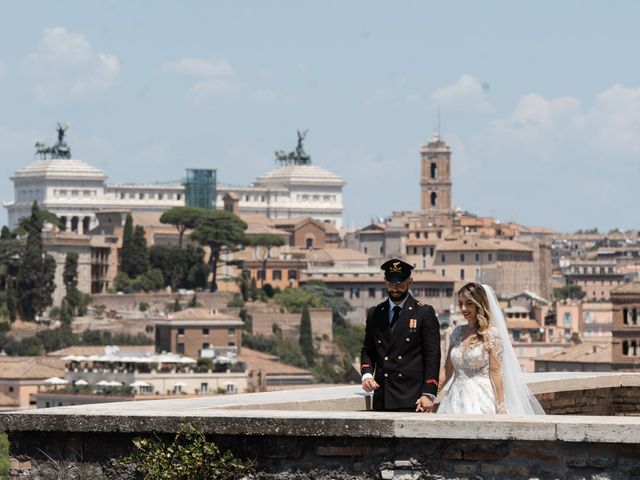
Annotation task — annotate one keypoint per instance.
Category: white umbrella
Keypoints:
(139, 383)
(81, 383)
(114, 383)
(102, 383)
(55, 381)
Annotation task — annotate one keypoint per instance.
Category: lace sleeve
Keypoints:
(448, 366)
(496, 348)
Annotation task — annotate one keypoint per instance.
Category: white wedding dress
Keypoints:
(473, 386)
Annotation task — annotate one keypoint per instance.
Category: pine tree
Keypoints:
(126, 251)
(306, 336)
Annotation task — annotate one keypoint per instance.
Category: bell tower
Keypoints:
(435, 178)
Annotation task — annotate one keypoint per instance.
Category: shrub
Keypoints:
(190, 456)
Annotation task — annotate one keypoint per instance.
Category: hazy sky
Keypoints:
(540, 100)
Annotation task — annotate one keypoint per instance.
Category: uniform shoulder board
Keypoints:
(421, 304)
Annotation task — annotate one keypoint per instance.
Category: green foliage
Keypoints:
(182, 218)
(236, 302)
(70, 280)
(327, 372)
(181, 267)
(143, 306)
(198, 276)
(176, 306)
(268, 290)
(294, 299)
(189, 457)
(349, 338)
(150, 281)
(194, 303)
(204, 365)
(99, 310)
(4, 455)
(288, 351)
(243, 283)
(571, 291)
(219, 230)
(35, 280)
(139, 253)
(306, 336)
(5, 234)
(253, 290)
(121, 282)
(329, 298)
(590, 231)
(126, 252)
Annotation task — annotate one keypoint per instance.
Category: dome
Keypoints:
(60, 168)
(299, 174)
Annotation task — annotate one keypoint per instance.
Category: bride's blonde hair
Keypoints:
(475, 293)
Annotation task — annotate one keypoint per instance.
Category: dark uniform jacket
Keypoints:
(405, 360)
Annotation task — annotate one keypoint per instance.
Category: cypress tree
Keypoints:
(139, 253)
(70, 280)
(34, 283)
(126, 251)
(306, 336)
(253, 290)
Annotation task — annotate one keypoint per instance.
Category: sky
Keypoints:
(539, 101)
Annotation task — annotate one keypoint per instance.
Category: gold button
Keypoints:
(400, 375)
(386, 358)
(386, 375)
(379, 341)
(399, 357)
(407, 339)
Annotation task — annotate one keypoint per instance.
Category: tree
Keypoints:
(5, 234)
(126, 251)
(306, 336)
(294, 299)
(182, 218)
(571, 291)
(218, 230)
(267, 241)
(253, 290)
(35, 280)
(329, 298)
(70, 280)
(176, 306)
(139, 253)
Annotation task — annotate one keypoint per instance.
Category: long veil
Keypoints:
(518, 398)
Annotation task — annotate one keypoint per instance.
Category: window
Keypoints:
(309, 242)
(205, 331)
(443, 258)
(443, 274)
(372, 293)
(355, 292)
(260, 275)
(477, 257)
(232, 332)
(122, 196)
(160, 196)
(204, 388)
(566, 319)
(276, 274)
(365, 249)
(490, 257)
(10, 389)
(462, 274)
(179, 196)
(181, 348)
(434, 170)
(462, 258)
(205, 346)
(292, 274)
(141, 196)
(181, 331)
(231, 388)
(434, 199)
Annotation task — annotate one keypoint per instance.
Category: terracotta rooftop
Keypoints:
(268, 363)
(98, 350)
(473, 244)
(201, 314)
(632, 287)
(586, 352)
(30, 368)
(522, 324)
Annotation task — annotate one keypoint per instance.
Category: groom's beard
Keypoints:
(397, 297)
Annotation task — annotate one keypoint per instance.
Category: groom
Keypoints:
(400, 358)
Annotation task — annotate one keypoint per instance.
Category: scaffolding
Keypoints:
(200, 188)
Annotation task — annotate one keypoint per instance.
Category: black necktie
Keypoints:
(396, 314)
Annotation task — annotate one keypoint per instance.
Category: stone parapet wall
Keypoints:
(599, 401)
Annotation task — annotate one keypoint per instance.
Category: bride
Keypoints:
(482, 373)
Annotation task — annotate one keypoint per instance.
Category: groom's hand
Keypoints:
(369, 385)
(424, 404)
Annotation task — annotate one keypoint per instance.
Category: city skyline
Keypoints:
(539, 107)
